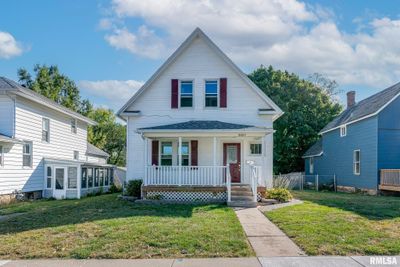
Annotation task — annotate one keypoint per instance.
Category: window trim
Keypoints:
(48, 134)
(161, 154)
(68, 177)
(51, 177)
(179, 93)
(343, 131)
(256, 143)
(30, 143)
(74, 129)
(218, 92)
(311, 165)
(357, 162)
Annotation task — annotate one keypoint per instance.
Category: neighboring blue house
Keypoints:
(362, 145)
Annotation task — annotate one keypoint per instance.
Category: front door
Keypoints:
(59, 184)
(232, 157)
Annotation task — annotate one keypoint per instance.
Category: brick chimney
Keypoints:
(351, 98)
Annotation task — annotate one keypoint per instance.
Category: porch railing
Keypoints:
(390, 177)
(185, 175)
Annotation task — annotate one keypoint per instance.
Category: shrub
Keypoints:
(133, 188)
(280, 194)
(114, 189)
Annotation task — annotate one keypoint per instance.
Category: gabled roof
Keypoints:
(95, 151)
(366, 108)
(199, 33)
(315, 150)
(7, 85)
(204, 125)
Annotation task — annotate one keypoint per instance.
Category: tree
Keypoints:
(50, 83)
(308, 108)
(108, 135)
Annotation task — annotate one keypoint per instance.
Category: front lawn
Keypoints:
(104, 227)
(342, 224)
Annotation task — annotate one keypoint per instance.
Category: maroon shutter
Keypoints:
(223, 93)
(174, 93)
(154, 152)
(194, 152)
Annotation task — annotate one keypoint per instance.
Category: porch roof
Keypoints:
(6, 139)
(202, 126)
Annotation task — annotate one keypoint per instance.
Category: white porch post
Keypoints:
(215, 160)
(180, 160)
(146, 159)
(268, 146)
(79, 178)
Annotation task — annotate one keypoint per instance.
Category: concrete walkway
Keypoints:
(220, 262)
(265, 237)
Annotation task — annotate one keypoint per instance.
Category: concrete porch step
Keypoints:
(243, 204)
(240, 188)
(242, 193)
(242, 198)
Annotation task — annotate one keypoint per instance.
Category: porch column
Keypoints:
(180, 159)
(268, 144)
(146, 159)
(215, 160)
(79, 181)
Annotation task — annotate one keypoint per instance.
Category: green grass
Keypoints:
(342, 224)
(104, 227)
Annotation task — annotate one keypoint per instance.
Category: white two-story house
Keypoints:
(199, 129)
(44, 150)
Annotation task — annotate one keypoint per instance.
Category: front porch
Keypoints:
(204, 165)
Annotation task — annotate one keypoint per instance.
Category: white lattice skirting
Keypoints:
(203, 196)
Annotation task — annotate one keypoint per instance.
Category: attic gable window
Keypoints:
(343, 131)
(211, 93)
(186, 94)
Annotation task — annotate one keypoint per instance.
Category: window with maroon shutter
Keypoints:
(223, 93)
(154, 152)
(194, 152)
(174, 93)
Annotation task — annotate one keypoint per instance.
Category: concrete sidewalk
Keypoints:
(220, 262)
(265, 237)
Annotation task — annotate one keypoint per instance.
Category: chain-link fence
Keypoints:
(299, 181)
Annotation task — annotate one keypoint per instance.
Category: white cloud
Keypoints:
(114, 92)
(288, 34)
(9, 47)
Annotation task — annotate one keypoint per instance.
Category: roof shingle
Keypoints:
(314, 150)
(199, 125)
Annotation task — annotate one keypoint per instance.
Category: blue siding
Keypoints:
(389, 137)
(337, 155)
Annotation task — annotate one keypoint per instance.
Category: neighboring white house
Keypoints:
(198, 114)
(44, 149)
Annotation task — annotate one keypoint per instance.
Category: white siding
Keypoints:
(94, 159)
(28, 127)
(198, 63)
(6, 115)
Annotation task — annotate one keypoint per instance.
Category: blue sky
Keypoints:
(111, 47)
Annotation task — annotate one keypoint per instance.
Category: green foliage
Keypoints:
(133, 188)
(108, 135)
(114, 189)
(155, 197)
(308, 107)
(280, 194)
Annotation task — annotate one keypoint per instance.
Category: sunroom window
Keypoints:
(186, 94)
(211, 93)
(166, 153)
(185, 154)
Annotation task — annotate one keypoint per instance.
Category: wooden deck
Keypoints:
(390, 180)
(390, 187)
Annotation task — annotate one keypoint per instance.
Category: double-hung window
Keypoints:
(27, 154)
(1, 156)
(343, 131)
(73, 126)
(48, 177)
(166, 153)
(255, 149)
(185, 154)
(186, 94)
(76, 155)
(356, 162)
(311, 165)
(72, 177)
(45, 130)
(211, 93)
